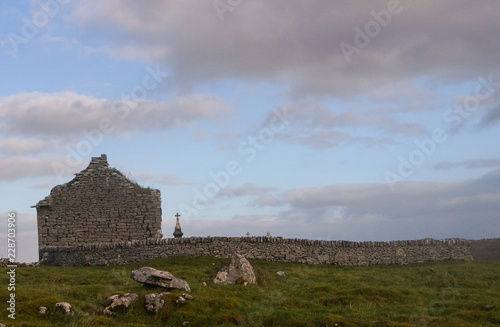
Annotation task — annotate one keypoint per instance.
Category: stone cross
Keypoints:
(178, 232)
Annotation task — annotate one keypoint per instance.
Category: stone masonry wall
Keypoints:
(264, 248)
(99, 205)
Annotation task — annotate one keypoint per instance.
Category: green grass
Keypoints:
(431, 294)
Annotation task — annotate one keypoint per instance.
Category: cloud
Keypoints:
(16, 168)
(320, 127)
(296, 43)
(152, 178)
(467, 206)
(19, 146)
(468, 164)
(412, 199)
(66, 115)
(492, 116)
(462, 208)
(260, 197)
(245, 190)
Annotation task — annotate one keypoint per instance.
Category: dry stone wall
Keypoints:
(100, 205)
(263, 248)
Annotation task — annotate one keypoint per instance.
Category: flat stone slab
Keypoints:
(152, 276)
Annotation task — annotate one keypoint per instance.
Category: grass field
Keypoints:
(431, 294)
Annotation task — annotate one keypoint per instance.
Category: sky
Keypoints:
(345, 120)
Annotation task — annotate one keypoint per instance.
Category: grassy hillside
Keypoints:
(432, 294)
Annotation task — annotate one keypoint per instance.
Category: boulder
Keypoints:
(65, 307)
(116, 303)
(239, 271)
(151, 276)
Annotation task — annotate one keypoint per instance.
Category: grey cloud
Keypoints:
(468, 164)
(467, 208)
(267, 201)
(491, 117)
(152, 178)
(245, 190)
(456, 202)
(320, 127)
(20, 146)
(298, 43)
(69, 114)
(16, 168)
(325, 139)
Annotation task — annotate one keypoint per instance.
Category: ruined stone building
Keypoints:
(101, 218)
(100, 205)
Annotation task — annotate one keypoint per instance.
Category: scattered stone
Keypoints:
(204, 283)
(184, 298)
(239, 271)
(489, 307)
(184, 323)
(111, 299)
(116, 303)
(42, 310)
(2, 325)
(151, 276)
(65, 307)
(281, 273)
(154, 302)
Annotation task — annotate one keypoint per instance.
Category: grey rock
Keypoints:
(154, 302)
(184, 323)
(187, 296)
(281, 274)
(239, 271)
(116, 303)
(65, 307)
(42, 310)
(180, 300)
(111, 299)
(151, 276)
